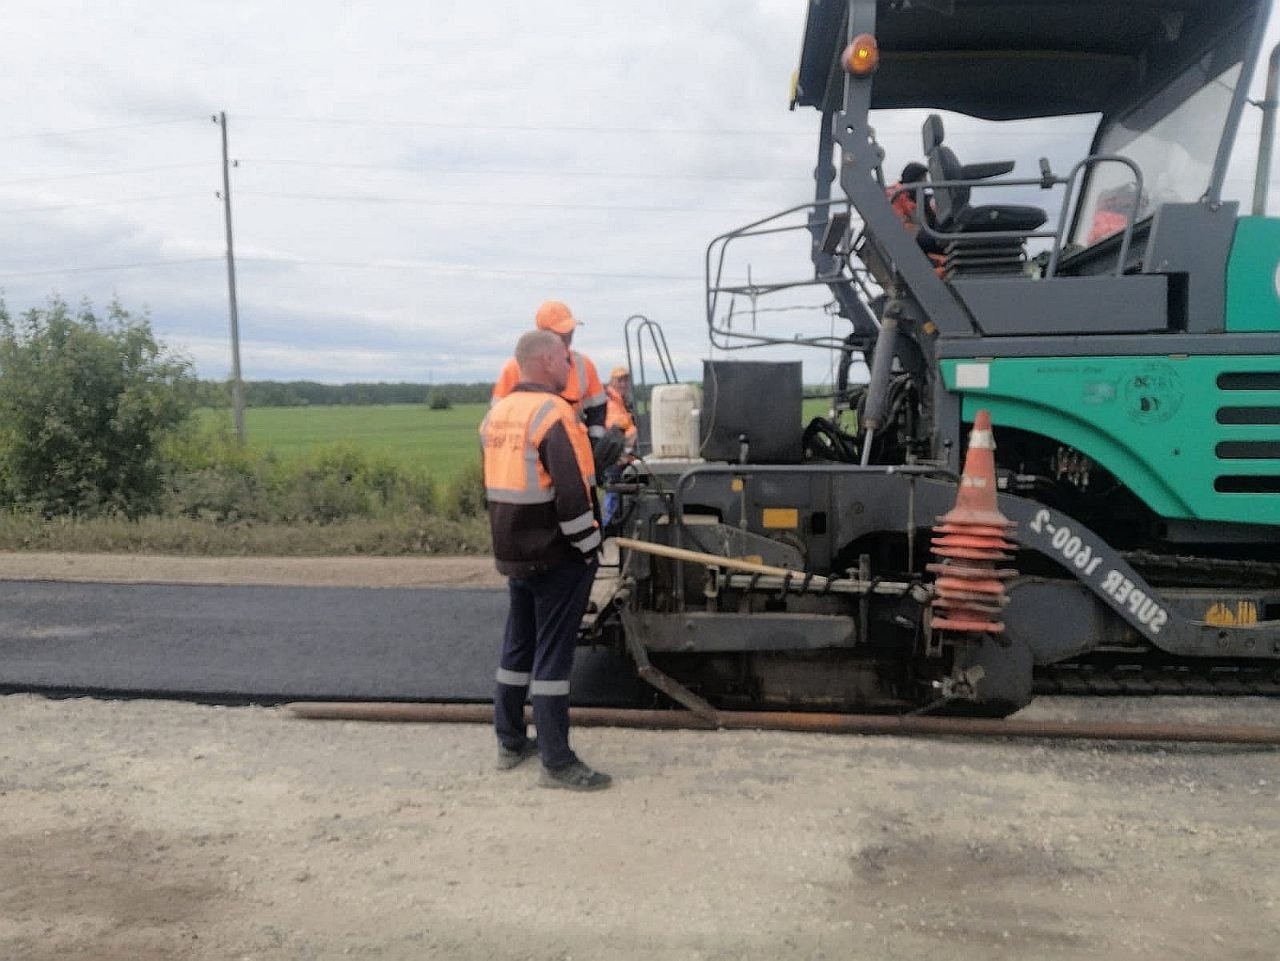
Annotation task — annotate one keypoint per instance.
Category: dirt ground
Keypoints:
(147, 830)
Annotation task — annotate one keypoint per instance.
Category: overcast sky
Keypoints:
(414, 179)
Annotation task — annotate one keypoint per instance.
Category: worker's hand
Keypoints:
(606, 449)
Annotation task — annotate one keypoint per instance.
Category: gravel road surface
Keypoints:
(140, 830)
(147, 830)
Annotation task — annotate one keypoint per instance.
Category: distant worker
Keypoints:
(1114, 209)
(619, 405)
(583, 390)
(618, 416)
(540, 487)
(906, 204)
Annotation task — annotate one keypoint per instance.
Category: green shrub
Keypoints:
(464, 495)
(214, 478)
(85, 404)
(439, 400)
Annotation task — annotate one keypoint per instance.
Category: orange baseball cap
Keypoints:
(554, 315)
(619, 372)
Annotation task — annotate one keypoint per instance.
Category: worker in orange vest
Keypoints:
(618, 405)
(583, 389)
(539, 481)
(904, 201)
(1114, 210)
(905, 204)
(618, 417)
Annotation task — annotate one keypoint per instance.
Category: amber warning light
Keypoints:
(862, 56)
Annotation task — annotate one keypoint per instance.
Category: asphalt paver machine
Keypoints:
(1124, 341)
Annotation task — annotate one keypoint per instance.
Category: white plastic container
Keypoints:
(675, 409)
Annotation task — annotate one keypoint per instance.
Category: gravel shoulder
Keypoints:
(465, 571)
(158, 830)
(150, 830)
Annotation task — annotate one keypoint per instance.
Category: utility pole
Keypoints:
(237, 387)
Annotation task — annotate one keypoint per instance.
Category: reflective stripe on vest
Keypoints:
(548, 688)
(580, 369)
(578, 524)
(581, 402)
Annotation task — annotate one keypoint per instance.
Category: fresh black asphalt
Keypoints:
(269, 644)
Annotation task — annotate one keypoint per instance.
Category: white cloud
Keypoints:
(415, 178)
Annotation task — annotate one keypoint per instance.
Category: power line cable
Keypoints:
(523, 128)
(361, 265)
(102, 173)
(806, 132)
(75, 131)
(465, 268)
(100, 203)
(105, 267)
(525, 172)
(503, 204)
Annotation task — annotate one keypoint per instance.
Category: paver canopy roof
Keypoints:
(1024, 58)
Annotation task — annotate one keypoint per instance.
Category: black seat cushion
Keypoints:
(999, 217)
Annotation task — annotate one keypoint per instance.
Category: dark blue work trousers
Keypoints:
(537, 657)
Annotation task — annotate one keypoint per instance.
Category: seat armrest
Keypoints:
(982, 171)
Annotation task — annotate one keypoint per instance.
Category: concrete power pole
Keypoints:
(237, 386)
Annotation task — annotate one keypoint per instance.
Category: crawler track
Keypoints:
(1121, 675)
(1152, 673)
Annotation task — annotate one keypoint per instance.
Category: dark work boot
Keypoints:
(509, 757)
(575, 776)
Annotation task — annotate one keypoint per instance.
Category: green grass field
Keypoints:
(443, 441)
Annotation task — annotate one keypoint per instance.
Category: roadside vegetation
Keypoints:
(108, 442)
(104, 447)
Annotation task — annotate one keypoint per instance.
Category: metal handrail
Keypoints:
(953, 235)
(1127, 236)
(714, 266)
(1267, 135)
(659, 340)
(714, 260)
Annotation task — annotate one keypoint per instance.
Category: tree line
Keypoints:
(303, 393)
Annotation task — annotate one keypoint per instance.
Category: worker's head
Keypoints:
(543, 358)
(555, 316)
(620, 379)
(913, 173)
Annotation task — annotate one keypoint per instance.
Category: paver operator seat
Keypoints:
(953, 211)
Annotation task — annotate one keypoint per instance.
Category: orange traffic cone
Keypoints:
(969, 591)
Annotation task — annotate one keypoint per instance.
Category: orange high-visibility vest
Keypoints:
(582, 391)
(511, 434)
(617, 415)
(904, 205)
